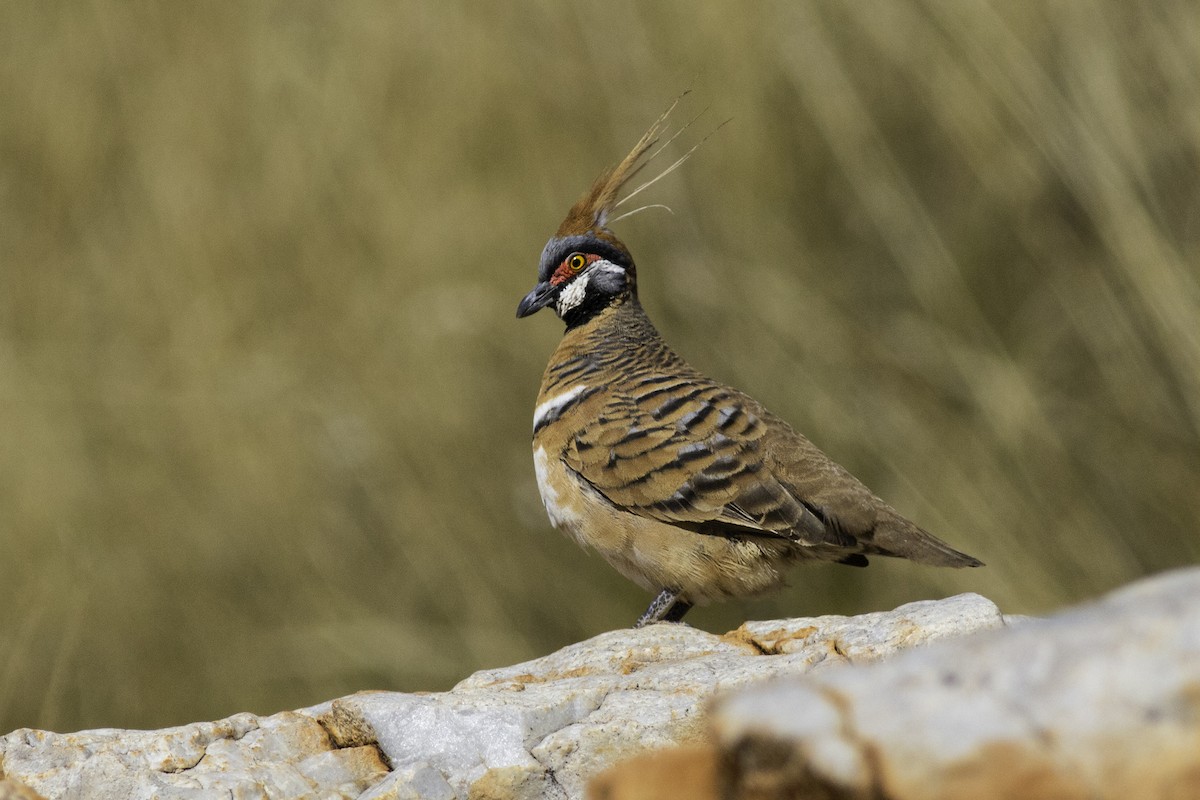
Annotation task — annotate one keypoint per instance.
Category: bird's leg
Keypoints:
(667, 607)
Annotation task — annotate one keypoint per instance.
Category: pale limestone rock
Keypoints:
(1098, 702)
(416, 782)
(286, 755)
(540, 729)
(545, 727)
(1102, 701)
(828, 641)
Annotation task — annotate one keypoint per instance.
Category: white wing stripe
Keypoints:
(554, 404)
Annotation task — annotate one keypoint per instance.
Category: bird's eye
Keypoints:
(577, 261)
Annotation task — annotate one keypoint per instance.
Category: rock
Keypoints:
(13, 790)
(285, 755)
(541, 729)
(1102, 701)
(685, 772)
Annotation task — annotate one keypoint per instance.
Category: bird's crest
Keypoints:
(592, 212)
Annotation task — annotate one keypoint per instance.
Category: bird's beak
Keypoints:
(537, 299)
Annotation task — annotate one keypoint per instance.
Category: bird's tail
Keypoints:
(897, 537)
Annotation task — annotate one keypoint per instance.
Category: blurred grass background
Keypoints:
(265, 408)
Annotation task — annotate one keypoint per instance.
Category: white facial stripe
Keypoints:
(576, 290)
(555, 403)
(603, 265)
(572, 295)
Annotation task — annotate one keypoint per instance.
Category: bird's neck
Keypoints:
(616, 344)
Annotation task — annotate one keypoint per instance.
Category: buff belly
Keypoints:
(656, 555)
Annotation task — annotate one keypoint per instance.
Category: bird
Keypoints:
(688, 487)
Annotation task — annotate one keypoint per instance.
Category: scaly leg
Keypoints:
(667, 607)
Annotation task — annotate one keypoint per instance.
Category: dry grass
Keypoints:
(265, 407)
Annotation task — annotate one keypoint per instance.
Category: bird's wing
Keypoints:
(693, 453)
(845, 504)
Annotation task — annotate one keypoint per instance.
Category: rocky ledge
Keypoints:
(1098, 701)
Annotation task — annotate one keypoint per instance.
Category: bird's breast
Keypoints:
(558, 495)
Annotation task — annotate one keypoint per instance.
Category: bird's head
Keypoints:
(585, 268)
(580, 274)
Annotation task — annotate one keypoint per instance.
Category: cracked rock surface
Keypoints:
(285, 755)
(1101, 701)
(541, 729)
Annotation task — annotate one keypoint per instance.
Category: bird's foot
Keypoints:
(667, 607)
